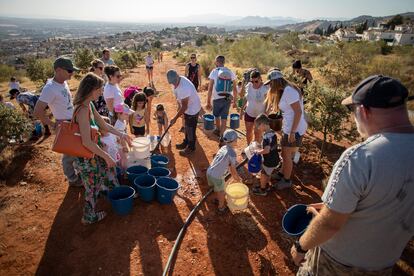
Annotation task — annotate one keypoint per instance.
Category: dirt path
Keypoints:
(41, 233)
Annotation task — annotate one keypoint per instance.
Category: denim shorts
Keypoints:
(285, 140)
(221, 108)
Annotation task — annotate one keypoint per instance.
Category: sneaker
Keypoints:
(222, 211)
(181, 146)
(186, 151)
(216, 132)
(76, 183)
(259, 191)
(283, 184)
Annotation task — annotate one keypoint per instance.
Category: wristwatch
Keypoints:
(299, 248)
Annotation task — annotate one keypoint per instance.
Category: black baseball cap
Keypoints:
(379, 92)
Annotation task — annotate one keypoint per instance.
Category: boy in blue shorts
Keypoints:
(269, 152)
(225, 159)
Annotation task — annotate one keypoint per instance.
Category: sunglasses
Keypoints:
(255, 81)
(193, 57)
(69, 71)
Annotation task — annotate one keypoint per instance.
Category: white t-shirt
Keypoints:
(290, 96)
(149, 61)
(120, 125)
(213, 76)
(255, 99)
(113, 92)
(184, 90)
(14, 85)
(58, 98)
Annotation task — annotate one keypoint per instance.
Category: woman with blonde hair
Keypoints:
(286, 97)
(98, 173)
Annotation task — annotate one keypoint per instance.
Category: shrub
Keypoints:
(6, 72)
(39, 70)
(326, 111)
(14, 125)
(127, 59)
(83, 58)
(206, 66)
(257, 52)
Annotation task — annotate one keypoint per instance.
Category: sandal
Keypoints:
(99, 216)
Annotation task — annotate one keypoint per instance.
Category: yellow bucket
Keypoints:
(237, 196)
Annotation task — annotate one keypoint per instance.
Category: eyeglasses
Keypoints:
(69, 71)
(255, 81)
(193, 57)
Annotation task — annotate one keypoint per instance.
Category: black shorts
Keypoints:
(140, 131)
(149, 67)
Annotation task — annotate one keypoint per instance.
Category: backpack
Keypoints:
(224, 83)
(129, 93)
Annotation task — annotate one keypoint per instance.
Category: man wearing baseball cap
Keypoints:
(190, 105)
(367, 214)
(57, 96)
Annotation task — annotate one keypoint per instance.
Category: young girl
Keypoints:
(162, 119)
(139, 120)
(122, 112)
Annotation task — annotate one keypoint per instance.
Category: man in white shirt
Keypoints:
(190, 106)
(221, 104)
(106, 57)
(57, 96)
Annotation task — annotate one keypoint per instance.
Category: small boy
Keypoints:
(269, 151)
(225, 159)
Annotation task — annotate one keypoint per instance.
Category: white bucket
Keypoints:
(133, 161)
(141, 147)
(237, 196)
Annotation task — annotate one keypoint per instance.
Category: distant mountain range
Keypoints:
(310, 26)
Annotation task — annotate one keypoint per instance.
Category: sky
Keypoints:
(190, 10)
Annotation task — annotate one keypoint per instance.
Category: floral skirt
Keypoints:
(96, 177)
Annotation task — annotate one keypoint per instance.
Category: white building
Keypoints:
(345, 35)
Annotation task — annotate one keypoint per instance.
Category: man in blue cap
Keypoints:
(367, 214)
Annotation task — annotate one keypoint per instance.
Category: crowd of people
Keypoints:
(366, 216)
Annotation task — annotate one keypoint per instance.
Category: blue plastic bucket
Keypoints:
(121, 198)
(38, 128)
(159, 172)
(159, 160)
(234, 121)
(166, 189)
(144, 185)
(135, 171)
(296, 220)
(208, 121)
(255, 163)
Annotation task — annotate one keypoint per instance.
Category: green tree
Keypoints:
(156, 44)
(396, 20)
(83, 58)
(14, 125)
(127, 59)
(326, 112)
(39, 70)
